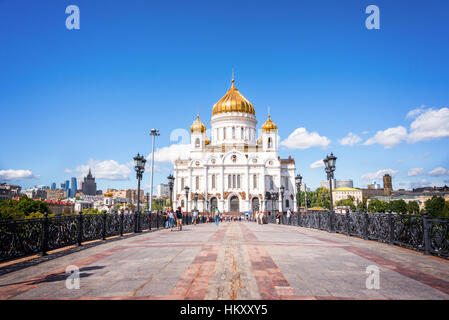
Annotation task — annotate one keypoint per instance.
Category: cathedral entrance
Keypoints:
(255, 205)
(213, 204)
(234, 204)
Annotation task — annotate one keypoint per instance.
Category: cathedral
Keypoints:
(234, 168)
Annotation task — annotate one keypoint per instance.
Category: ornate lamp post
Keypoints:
(204, 203)
(139, 165)
(171, 181)
(153, 133)
(298, 180)
(195, 197)
(273, 196)
(329, 163)
(282, 189)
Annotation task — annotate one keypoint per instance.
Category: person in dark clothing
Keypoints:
(179, 218)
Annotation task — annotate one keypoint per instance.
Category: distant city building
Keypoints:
(55, 194)
(36, 193)
(89, 187)
(73, 188)
(337, 184)
(8, 191)
(388, 186)
(419, 198)
(371, 192)
(60, 207)
(53, 186)
(374, 185)
(344, 193)
(163, 190)
(81, 205)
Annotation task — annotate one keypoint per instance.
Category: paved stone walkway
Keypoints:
(237, 260)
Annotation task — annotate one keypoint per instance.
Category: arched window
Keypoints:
(197, 142)
(182, 203)
(238, 181)
(197, 182)
(229, 181)
(213, 181)
(233, 181)
(224, 133)
(269, 142)
(241, 133)
(182, 184)
(233, 132)
(254, 181)
(287, 203)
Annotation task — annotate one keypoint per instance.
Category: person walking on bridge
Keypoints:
(179, 219)
(217, 217)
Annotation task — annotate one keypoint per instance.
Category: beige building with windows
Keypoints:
(344, 193)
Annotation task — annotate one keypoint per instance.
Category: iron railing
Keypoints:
(421, 232)
(19, 238)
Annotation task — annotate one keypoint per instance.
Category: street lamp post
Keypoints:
(195, 197)
(139, 162)
(153, 133)
(298, 180)
(305, 196)
(329, 164)
(187, 189)
(282, 189)
(171, 181)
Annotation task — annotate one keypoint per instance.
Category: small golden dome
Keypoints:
(198, 126)
(108, 193)
(269, 125)
(207, 142)
(233, 101)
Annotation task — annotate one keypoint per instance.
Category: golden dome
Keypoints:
(207, 142)
(198, 126)
(108, 193)
(269, 125)
(233, 101)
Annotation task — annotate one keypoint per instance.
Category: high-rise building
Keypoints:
(89, 187)
(388, 186)
(73, 188)
(163, 190)
(53, 186)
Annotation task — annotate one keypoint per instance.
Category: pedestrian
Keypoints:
(171, 218)
(179, 219)
(217, 217)
(166, 219)
(195, 216)
(289, 214)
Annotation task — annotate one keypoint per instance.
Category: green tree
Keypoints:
(397, 206)
(346, 202)
(435, 206)
(376, 205)
(413, 207)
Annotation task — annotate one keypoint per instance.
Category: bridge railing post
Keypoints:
(104, 225)
(80, 228)
(348, 222)
(426, 234)
(365, 225)
(122, 217)
(44, 244)
(391, 227)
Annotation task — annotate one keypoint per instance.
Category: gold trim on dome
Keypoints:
(269, 125)
(198, 126)
(233, 101)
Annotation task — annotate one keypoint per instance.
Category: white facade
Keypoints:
(163, 190)
(234, 169)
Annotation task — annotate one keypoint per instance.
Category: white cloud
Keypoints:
(415, 172)
(365, 132)
(439, 172)
(413, 113)
(171, 153)
(389, 137)
(350, 140)
(67, 170)
(105, 170)
(317, 164)
(301, 139)
(10, 175)
(431, 124)
(379, 174)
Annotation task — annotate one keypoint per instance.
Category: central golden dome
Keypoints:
(198, 126)
(233, 101)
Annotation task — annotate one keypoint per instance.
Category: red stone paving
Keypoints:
(426, 279)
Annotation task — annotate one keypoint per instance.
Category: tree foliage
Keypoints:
(22, 208)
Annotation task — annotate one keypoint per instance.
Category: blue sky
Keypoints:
(71, 99)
